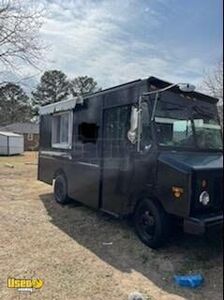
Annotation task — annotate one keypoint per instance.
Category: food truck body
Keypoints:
(129, 151)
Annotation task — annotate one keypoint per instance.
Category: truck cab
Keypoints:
(182, 138)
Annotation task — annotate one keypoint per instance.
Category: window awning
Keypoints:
(60, 106)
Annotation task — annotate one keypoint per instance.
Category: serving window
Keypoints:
(62, 130)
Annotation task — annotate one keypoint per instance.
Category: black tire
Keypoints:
(151, 223)
(60, 189)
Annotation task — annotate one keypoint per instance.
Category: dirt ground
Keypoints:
(65, 247)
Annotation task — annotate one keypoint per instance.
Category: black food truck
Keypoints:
(148, 149)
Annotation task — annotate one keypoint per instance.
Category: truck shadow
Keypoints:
(115, 242)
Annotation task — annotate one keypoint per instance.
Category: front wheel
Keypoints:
(151, 223)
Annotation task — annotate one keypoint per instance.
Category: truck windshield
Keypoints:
(188, 125)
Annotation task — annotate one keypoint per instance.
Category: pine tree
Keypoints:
(83, 85)
(14, 104)
(53, 87)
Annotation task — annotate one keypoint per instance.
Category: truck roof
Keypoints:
(158, 83)
(153, 82)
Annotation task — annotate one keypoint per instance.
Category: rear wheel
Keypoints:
(60, 190)
(151, 223)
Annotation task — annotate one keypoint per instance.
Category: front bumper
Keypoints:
(200, 225)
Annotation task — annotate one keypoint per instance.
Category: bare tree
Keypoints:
(213, 85)
(213, 82)
(20, 22)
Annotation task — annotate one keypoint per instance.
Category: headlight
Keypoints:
(204, 198)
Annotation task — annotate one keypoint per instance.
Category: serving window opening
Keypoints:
(62, 130)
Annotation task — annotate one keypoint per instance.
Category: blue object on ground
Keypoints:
(191, 281)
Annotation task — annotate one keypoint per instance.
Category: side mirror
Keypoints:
(134, 121)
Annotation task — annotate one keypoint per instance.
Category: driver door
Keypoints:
(117, 164)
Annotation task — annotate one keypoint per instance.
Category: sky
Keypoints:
(116, 41)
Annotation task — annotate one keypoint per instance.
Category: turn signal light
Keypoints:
(177, 191)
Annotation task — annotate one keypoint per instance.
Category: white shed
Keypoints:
(11, 143)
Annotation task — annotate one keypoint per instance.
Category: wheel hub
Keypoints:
(147, 223)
